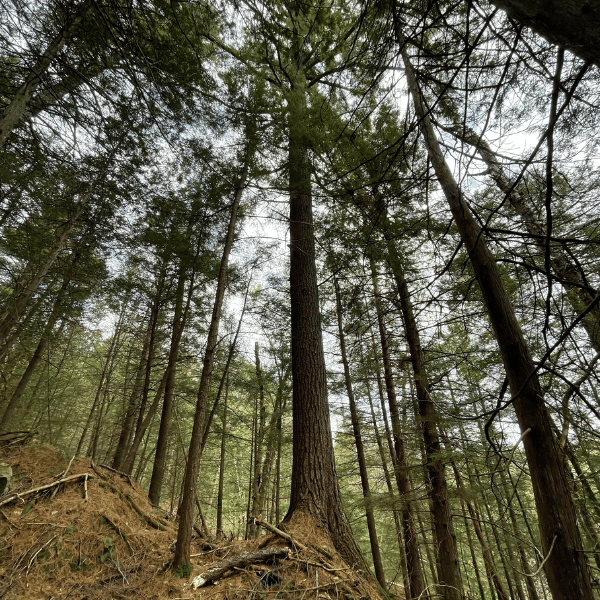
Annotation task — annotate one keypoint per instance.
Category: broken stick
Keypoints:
(240, 561)
(283, 534)
(45, 487)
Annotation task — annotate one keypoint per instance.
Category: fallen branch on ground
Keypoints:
(282, 534)
(156, 523)
(239, 561)
(126, 475)
(48, 486)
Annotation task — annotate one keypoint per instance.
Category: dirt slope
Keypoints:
(85, 532)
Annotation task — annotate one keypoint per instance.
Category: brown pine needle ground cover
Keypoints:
(70, 529)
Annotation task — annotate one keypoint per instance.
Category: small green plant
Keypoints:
(28, 507)
(69, 529)
(80, 565)
(183, 571)
(109, 551)
(43, 555)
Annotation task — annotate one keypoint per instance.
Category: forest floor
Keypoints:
(72, 529)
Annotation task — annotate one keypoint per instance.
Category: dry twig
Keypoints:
(41, 488)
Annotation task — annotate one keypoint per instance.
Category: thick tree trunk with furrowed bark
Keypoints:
(315, 489)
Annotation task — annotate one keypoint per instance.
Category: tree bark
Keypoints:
(572, 24)
(315, 488)
(220, 532)
(143, 420)
(272, 442)
(409, 532)
(258, 446)
(128, 419)
(447, 554)
(179, 318)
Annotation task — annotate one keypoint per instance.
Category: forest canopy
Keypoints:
(332, 260)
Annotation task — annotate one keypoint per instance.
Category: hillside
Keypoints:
(72, 529)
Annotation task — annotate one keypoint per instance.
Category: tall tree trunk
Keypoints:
(128, 420)
(179, 318)
(258, 444)
(315, 489)
(143, 419)
(103, 376)
(16, 305)
(388, 482)
(566, 566)
(488, 559)
(186, 509)
(447, 554)
(360, 452)
(411, 546)
(57, 311)
(471, 545)
(272, 441)
(220, 532)
(580, 296)
(232, 348)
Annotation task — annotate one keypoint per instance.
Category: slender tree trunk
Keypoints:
(179, 318)
(449, 572)
(579, 294)
(225, 374)
(220, 532)
(362, 463)
(413, 564)
(251, 473)
(101, 384)
(128, 421)
(471, 545)
(277, 481)
(17, 304)
(566, 566)
(488, 559)
(257, 482)
(57, 311)
(272, 441)
(143, 420)
(388, 482)
(186, 510)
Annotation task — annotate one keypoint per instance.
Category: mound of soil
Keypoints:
(83, 531)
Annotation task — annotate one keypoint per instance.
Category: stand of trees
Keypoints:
(412, 365)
